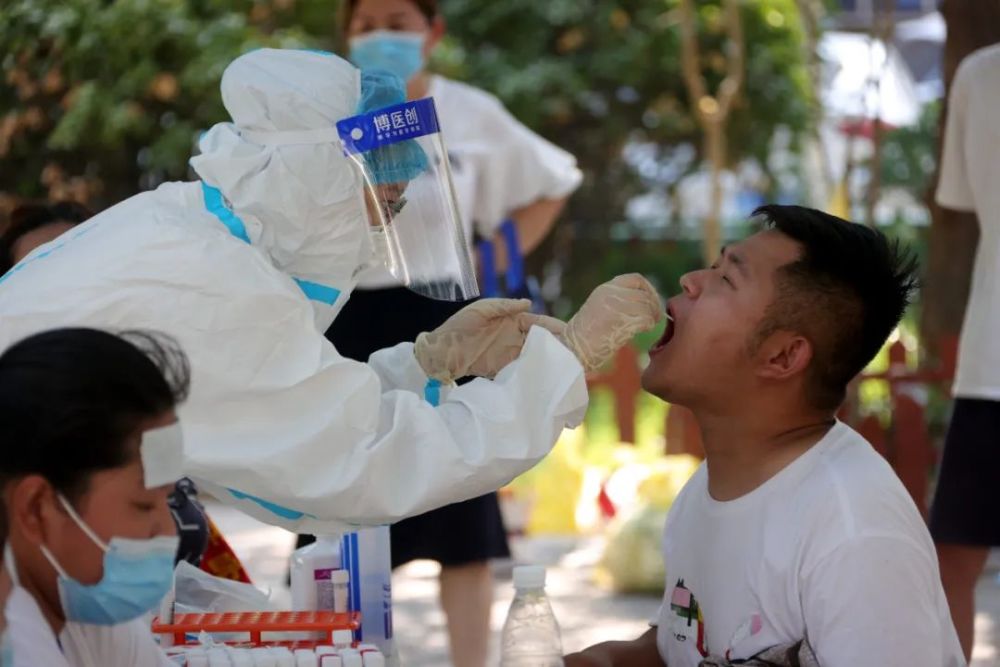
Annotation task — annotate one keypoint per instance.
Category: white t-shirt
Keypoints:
(126, 645)
(831, 549)
(970, 160)
(34, 644)
(497, 164)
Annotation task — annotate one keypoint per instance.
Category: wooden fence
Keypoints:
(905, 441)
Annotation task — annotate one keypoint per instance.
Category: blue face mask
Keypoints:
(6, 651)
(137, 575)
(400, 53)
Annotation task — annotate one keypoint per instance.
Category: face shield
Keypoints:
(415, 226)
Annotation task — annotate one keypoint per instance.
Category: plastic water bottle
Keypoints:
(531, 634)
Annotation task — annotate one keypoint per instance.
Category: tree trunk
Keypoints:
(972, 24)
(715, 149)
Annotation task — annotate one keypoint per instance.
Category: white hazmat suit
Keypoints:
(246, 269)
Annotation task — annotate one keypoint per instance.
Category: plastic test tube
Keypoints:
(340, 580)
(262, 657)
(306, 658)
(343, 639)
(283, 657)
(240, 657)
(326, 656)
(351, 658)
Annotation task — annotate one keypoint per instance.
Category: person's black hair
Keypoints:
(30, 217)
(73, 400)
(846, 294)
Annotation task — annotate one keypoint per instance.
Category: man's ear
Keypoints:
(31, 507)
(783, 355)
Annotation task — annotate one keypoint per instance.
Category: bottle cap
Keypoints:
(340, 577)
(343, 638)
(529, 576)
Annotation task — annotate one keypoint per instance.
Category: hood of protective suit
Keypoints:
(282, 170)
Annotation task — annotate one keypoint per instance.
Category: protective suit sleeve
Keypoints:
(342, 449)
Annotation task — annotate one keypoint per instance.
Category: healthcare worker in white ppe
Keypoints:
(316, 177)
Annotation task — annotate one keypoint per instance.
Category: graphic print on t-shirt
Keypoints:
(686, 622)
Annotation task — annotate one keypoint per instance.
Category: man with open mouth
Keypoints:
(794, 532)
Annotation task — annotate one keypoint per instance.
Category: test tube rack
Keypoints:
(255, 623)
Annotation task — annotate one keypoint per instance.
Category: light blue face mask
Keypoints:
(137, 575)
(6, 651)
(401, 53)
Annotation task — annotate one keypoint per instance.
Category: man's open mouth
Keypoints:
(668, 333)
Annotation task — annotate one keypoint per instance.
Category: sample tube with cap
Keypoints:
(327, 657)
(343, 639)
(373, 659)
(306, 658)
(283, 657)
(262, 657)
(340, 581)
(351, 658)
(239, 657)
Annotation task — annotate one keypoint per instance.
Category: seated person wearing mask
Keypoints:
(91, 450)
(247, 268)
(794, 528)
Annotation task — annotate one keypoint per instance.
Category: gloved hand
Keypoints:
(480, 339)
(613, 313)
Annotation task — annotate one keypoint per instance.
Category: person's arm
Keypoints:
(534, 222)
(953, 189)
(877, 600)
(335, 449)
(641, 652)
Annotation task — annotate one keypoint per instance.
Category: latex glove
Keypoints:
(613, 313)
(480, 339)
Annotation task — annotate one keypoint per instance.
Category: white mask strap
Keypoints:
(52, 561)
(10, 564)
(84, 527)
(162, 455)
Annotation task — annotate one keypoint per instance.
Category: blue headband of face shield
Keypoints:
(398, 162)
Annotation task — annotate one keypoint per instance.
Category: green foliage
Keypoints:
(111, 95)
(909, 154)
(594, 74)
(105, 98)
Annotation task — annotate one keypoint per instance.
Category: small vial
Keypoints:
(240, 658)
(330, 660)
(262, 657)
(306, 658)
(373, 659)
(343, 639)
(351, 658)
(283, 657)
(340, 580)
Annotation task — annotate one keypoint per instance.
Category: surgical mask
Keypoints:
(401, 53)
(6, 651)
(137, 575)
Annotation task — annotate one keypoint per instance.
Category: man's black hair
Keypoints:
(72, 400)
(846, 294)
